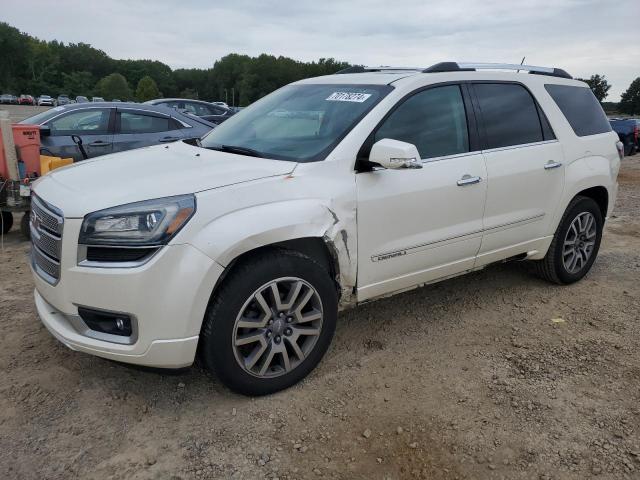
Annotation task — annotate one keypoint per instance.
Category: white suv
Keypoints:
(329, 192)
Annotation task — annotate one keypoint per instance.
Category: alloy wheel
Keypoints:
(579, 242)
(277, 327)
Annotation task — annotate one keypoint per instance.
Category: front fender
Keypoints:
(229, 236)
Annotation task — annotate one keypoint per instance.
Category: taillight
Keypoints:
(620, 147)
(635, 133)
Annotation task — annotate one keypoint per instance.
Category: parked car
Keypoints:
(243, 247)
(112, 127)
(116, 100)
(97, 99)
(26, 100)
(81, 99)
(45, 100)
(6, 98)
(627, 130)
(209, 111)
(222, 104)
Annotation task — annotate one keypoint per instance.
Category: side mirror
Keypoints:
(45, 131)
(394, 154)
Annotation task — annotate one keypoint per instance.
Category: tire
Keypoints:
(628, 150)
(556, 265)
(7, 221)
(244, 367)
(24, 226)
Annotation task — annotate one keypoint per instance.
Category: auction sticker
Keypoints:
(348, 97)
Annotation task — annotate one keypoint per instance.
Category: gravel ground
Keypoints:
(20, 112)
(494, 375)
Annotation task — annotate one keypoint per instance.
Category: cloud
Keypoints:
(582, 36)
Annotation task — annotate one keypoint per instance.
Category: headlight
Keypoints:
(148, 223)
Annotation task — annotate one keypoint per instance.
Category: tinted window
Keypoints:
(433, 120)
(200, 109)
(174, 104)
(85, 122)
(131, 122)
(509, 114)
(547, 131)
(581, 108)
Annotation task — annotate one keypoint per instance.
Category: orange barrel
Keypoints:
(27, 141)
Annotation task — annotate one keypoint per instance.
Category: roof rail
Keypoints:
(466, 67)
(361, 69)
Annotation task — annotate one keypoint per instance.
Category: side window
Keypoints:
(509, 114)
(434, 120)
(200, 109)
(84, 122)
(134, 122)
(581, 108)
(217, 110)
(171, 104)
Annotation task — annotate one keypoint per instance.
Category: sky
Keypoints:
(582, 36)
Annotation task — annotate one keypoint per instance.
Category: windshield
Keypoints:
(300, 123)
(42, 117)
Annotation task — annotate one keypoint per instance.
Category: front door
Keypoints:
(418, 225)
(92, 125)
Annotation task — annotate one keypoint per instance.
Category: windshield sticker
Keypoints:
(348, 97)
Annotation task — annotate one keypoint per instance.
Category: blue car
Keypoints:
(627, 130)
(109, 127)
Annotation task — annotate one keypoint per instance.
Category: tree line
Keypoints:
(31, 65)
(34, 66)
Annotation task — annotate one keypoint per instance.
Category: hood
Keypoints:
(147, 173)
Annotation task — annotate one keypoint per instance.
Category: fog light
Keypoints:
(113, 323)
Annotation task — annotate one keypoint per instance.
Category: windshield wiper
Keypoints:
(236, 149)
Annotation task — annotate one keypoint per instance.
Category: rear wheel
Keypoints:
(575, 244)
(6, 221)
(270, 323)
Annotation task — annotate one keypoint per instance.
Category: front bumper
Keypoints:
(168, 296)
(172, 353)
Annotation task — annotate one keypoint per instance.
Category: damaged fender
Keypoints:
(229, 236)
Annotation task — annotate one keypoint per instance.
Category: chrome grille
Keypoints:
(46, 224)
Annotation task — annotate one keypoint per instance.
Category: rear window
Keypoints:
(581, 108)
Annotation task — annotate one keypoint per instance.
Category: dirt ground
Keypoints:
(495, 375)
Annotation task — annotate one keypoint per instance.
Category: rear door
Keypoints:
(94, 126)
(136, 128)
(524, 168)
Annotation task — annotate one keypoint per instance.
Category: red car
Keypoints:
(26, 100)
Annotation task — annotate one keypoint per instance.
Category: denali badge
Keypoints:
(387, 256)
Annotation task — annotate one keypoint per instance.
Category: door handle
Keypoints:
(468, 180)
(551, 165)
(99, 143)
(169, 139)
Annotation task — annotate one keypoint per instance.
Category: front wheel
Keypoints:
(270, 323)
(575, 244)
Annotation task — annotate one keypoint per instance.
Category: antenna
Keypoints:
(521, 63)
